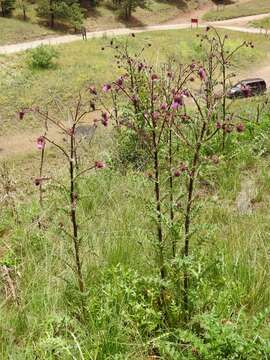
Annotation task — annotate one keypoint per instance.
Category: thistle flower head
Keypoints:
(40, 143)
(99, 165)
(106, 87)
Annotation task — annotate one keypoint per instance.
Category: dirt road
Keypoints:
(239, 24)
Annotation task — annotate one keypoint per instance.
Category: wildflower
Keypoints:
(240, 127)
(182, 168)
(106, 87)
(218, 125)
(140, 66)
(177, 101)
(155, 116)
(192, 66)
(99, 165)
(120, 82)
(154, 77)
(186, 93)
(163, 107)
(202, 73)
(41, 142)
(104, 119)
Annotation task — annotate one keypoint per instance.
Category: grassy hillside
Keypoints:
(128, 310)
(252, 7)
(232, 268)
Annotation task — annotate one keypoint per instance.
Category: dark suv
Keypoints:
(246, 88)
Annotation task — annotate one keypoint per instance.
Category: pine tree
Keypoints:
(68, 11)
(7, 6)
(126, 7)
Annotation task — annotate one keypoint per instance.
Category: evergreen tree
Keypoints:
(126, 7)
(7, 6)
(64, 10)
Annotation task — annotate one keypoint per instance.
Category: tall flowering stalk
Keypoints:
(69, 151)
(177, 113)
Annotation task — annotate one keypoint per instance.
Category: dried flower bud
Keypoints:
(99, 165)
(21, 114)
(218, 125)
(104, 119)
(93, 90)
(240, 127)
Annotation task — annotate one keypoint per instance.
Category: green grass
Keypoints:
(15, 31)
(230, 264)
(233, 266)
(84, 62)
(264, 23)
(253, 7)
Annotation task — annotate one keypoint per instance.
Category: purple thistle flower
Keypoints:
(120, 82)
(99, 165)
(154, 77)
(177, 101)
(140, 66)
(202, 73)
(106, 87)
(240, 127)
(40, 143)
(163, 107)
(104, 119)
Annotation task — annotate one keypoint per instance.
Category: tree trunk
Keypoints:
(51, 14)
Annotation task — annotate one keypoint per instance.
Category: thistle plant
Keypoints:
(177, 113)
(76, 168)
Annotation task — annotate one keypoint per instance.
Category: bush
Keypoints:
(42, 57)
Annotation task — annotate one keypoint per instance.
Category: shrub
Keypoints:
(42, 57)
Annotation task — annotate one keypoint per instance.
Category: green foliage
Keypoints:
(7, 6)
(42, 57)
(126, 7)
(67, 11)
